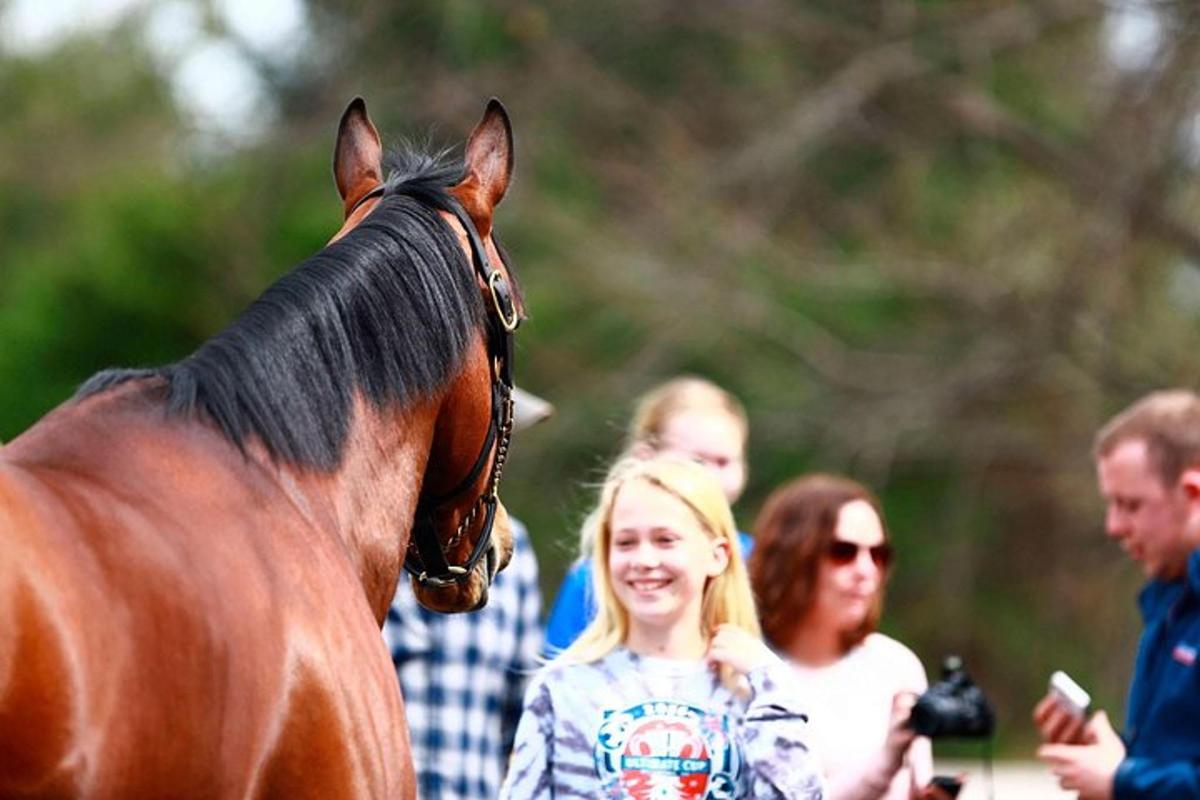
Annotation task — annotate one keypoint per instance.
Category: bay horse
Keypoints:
(195, 560)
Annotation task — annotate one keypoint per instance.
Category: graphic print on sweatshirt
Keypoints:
(663, 750)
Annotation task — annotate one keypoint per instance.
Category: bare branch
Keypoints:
(820, 113)
(1088, 180)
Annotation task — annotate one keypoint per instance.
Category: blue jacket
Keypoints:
(574, 606)
(1162, 729)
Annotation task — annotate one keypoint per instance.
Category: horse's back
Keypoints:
(170, 625)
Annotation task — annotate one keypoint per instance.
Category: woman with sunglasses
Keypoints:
(818, 569)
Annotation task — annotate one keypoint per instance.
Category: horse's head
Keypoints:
(461, 534)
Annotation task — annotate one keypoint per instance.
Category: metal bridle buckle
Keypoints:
(502, 300)
(439, 582)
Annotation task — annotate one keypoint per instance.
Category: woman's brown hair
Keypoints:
(792, 534)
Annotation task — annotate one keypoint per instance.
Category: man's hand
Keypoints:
(1057, 724)
(1087, 768)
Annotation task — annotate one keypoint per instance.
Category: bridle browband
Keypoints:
(425, 558)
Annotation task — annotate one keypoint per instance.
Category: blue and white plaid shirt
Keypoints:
(463, 678)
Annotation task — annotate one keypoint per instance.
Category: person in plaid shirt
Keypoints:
(463, 678)
(463, 675)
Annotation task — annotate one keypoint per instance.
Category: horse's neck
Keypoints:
(370, 500)
(367, 503)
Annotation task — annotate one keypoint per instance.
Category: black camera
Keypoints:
(954, 706)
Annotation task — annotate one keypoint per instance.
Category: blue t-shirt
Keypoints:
(574, 607)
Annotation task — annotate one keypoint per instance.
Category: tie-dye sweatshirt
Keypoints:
(630, 726)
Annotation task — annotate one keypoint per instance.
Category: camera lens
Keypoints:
(954, 706)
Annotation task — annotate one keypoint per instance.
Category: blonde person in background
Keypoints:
(819, 568)
(689, 417)
(670, 691)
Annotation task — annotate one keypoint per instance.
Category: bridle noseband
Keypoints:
(425, 559)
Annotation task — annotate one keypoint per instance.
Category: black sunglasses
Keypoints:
(841, 552)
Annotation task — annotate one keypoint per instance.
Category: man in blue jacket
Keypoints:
(1148, 466)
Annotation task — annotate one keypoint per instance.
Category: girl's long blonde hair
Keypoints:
(727, 597)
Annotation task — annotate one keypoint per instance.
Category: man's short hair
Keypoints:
(1168, 422)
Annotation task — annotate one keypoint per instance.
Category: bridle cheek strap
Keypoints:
(426, 558)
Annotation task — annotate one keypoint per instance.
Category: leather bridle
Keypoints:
(426, 559)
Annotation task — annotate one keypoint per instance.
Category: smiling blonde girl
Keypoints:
(670, 692)
(688, 417)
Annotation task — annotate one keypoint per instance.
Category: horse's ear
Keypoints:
(357, 156)
(488, 166)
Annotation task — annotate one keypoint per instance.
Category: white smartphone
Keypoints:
(1069, 694)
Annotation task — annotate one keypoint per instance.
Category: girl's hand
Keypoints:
(738, 649)
(900, 736)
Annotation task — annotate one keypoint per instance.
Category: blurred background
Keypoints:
(930, 244)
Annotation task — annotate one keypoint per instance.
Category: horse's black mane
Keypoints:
(387, 310)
